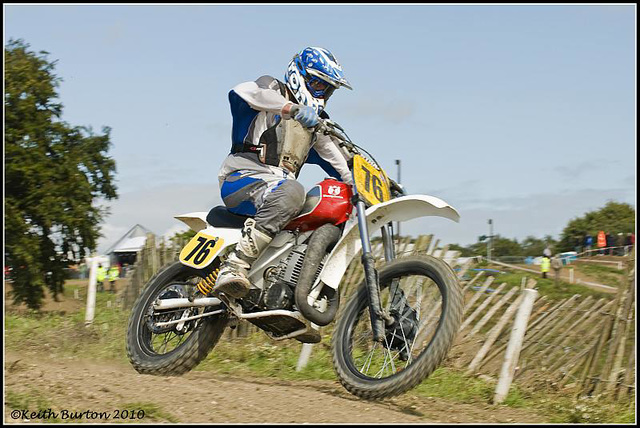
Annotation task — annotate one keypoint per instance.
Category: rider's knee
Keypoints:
(294, 195)
(281, 205)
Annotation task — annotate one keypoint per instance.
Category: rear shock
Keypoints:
(206, 284)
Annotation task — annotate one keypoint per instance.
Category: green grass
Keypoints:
(258, 356)
(602, 274)
(547, 286)
(67, 335)
(593, 410)
(453, 385)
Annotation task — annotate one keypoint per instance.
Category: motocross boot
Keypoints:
(232, 279)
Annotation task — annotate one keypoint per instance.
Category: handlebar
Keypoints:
(329, 127)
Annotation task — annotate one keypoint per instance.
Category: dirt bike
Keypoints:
(394, 331)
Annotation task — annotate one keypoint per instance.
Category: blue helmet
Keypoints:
(321, 74)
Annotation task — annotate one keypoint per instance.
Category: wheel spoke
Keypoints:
(167, 341)
(367, 362)
(416, 309)
(388, 353)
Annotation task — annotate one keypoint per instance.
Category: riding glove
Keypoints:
(306, 115)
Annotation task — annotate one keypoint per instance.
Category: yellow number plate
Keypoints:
(371, 182)
(201, 250)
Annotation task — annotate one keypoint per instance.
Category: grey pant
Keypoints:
(261, 192)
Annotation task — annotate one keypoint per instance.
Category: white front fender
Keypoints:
(400, 209)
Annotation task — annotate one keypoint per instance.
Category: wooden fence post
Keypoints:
(305, 354)
(585, 320)
(443, 252)
(624, 326)
(515, 343)
(470, 283)
(562, 322)
(615, 336)
(493, 334)
(463, 270)
(492, 311)
(551, 323)
(628, 374)
(481, 307)
(571, 366)
(479, 293)
(536, 322)
(435, 247)
(91, 292)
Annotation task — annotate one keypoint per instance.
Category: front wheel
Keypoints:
(423, 296)
(156, 344)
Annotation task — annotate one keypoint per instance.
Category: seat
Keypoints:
(220, 216)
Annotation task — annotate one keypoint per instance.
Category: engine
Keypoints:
(280, 281)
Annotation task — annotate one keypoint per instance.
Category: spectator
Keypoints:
(620, 244)
(588, 242)
(113, 276)
(610, 243)
(100, 277)
(544, 265)
(547, 252)
(602, 242)
(556, 264)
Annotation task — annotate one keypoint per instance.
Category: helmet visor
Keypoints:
(319, 88)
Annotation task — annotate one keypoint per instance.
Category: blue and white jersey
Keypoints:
(255, 107)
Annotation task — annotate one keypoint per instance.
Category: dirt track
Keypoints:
(79, 385)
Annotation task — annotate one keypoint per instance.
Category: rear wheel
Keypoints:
(157, 345)
(423, 296)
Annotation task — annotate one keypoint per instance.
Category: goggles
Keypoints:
(319, 88)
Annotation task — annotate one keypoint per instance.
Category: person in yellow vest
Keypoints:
(114, 273)
(545, 264)
(101, 276)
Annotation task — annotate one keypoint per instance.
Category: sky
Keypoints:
(523, 114)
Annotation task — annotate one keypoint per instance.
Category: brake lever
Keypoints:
(397, 187)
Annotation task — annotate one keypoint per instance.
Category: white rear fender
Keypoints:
(400, 209)
(198, 222)
(231, 236)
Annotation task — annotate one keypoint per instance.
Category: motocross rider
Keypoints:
(271, 140)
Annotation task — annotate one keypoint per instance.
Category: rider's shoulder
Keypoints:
(267, 82)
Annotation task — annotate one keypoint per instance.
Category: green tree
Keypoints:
(54, 173)
(183, 236)
(532, 246)
(499, 247)
(614, 217)
(464, 251)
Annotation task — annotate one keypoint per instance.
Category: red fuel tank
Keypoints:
(327, 202)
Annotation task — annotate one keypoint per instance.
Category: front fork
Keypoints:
(379, 317)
